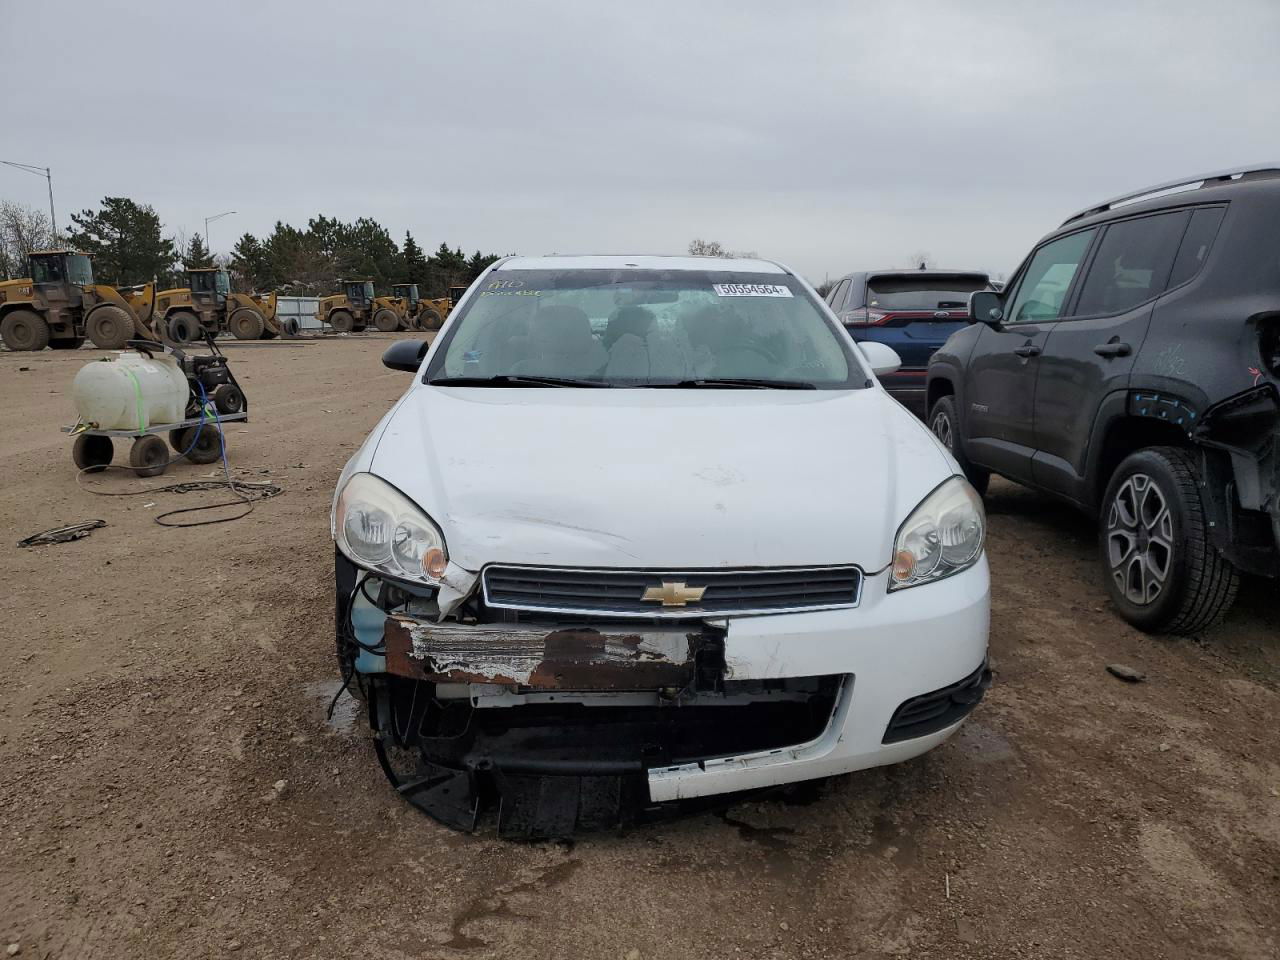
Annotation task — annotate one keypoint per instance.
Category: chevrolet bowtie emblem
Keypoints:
(674, 594)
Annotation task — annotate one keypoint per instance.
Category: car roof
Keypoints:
(1174, 192)
(909, 272)
(641, 262)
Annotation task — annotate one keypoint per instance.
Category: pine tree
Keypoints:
(249, 262)
(415, 264)
(125, 241)
(197, 254)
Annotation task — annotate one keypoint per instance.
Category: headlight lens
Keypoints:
(379, 528)
(943, 535)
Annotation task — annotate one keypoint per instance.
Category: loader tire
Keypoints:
(342, 321)
(386, 321)
(246, 325)
(430, 319)
(24, 330)
(109, 327)
(184, 327)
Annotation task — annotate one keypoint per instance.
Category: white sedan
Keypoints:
(644, 529)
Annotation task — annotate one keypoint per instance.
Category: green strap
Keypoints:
(137, 392)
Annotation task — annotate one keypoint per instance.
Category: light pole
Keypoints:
(39, 172)
(209, 220)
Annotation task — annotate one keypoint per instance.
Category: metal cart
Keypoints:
(197, 438)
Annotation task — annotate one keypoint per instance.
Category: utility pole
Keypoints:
(39, 172)
(209, 220)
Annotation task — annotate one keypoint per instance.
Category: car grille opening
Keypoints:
(673, 592)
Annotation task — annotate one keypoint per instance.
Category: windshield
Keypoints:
(201, 282)
(360, 292)
(47, 270)
(222, 282)
(636, 328)
(80, 269)
(930, 292)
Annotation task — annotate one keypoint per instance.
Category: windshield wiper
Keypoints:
(741, 383)
(514, 380)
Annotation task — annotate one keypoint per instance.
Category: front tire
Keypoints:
(149, 455)
(92, 452)
(945, 425)
(109, 327)
(1163, 573)
(386, 321)
(341, 321)
(430, 319)
(246, 325)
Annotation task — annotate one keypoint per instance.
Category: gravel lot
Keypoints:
(169, 785)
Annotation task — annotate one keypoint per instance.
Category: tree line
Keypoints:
(129, 246)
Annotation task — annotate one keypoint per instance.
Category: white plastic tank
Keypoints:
(130, 392)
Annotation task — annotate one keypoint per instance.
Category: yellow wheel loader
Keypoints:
(420, 313)
(357, 307)
(59, 306)
(207, 305)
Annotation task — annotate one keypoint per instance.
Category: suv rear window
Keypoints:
(1132, 264)
(933, 291)
(1195, 244)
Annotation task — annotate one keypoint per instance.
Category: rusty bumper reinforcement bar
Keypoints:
(576, 658)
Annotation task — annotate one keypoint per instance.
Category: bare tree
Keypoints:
(22, 229)
(921, 260)
(713, 248)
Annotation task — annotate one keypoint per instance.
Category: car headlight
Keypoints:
(377, 527)
(942, 536)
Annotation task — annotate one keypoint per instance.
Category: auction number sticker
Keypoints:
(751, 290)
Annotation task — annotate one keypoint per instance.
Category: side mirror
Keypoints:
(882, 359)
(987, 307)
(405, 355)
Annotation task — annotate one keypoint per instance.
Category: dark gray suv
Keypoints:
(1131, 367)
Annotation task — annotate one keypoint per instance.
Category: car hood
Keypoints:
(657, 478)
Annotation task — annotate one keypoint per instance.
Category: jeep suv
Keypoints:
(1131, 367)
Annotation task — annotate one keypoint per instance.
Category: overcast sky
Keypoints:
(831, 136)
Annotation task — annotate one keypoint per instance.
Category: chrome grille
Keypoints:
(611, 592)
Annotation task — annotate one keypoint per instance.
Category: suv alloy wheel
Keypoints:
(1163, 573)
(943, 423)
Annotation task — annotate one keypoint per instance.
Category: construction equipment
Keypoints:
(357, 307)
(59, 305)
(207, 305)
(421, 314)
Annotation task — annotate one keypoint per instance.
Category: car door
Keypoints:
(1000, 378)
(1089, 353)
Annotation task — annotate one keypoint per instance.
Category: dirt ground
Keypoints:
(169, 785)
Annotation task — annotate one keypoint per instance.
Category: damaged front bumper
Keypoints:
(566, 725)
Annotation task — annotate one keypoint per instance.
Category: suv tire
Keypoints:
(946, 427)
(1163, 573)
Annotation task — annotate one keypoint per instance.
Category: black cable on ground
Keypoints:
(246, 492)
